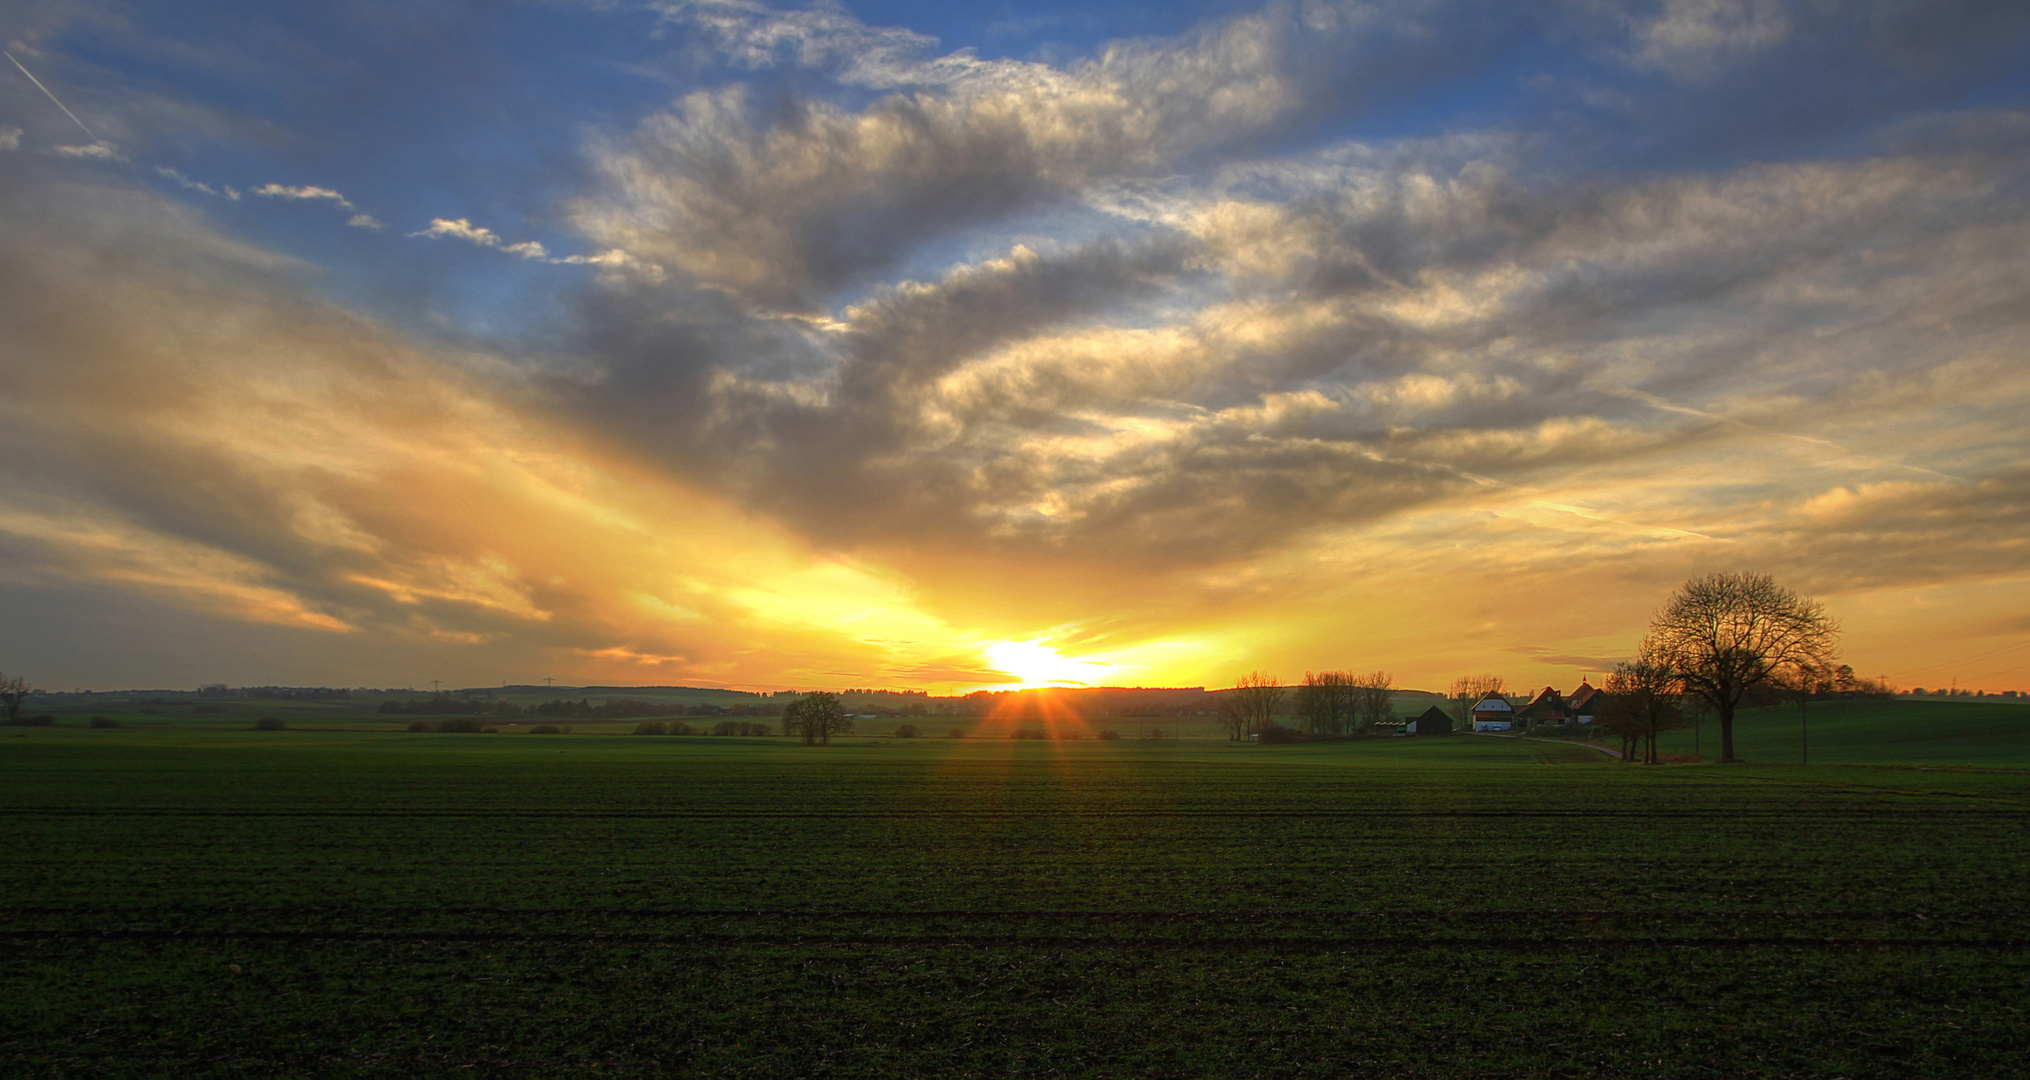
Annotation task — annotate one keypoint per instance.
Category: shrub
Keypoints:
(42, 720)
(546, 729)
(756, 727)
(104, 722)
(726, 727)
(678, 727)
(1110, 734)
(651, 727)
(906, 731)
(269, 723)
(419, 725)
(462, 726)
(958, 733)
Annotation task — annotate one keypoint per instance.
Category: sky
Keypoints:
(944, 346)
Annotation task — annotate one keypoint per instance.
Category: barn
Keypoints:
(1432, 721)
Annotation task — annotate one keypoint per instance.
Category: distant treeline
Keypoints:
(446, 705)
(276, 693)
(627, 709)
(723, 727)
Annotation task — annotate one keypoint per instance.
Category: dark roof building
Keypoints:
(1584, 703)
(1548, 707)
(1432, 721)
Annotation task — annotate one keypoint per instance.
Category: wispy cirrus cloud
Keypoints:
(186, 183)
(302, 193)
(462, 229)
(98, 151)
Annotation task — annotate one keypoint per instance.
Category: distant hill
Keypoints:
(1897, 732)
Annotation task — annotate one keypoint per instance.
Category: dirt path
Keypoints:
(1608, 750)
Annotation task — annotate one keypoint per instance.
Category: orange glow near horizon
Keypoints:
(1038, 665)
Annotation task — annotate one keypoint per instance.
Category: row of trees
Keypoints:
(1343, 703)
(1326, 703)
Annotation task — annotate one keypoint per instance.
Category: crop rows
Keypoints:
(358, 909)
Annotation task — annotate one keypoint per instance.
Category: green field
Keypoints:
(1872, 733)
(187, 901)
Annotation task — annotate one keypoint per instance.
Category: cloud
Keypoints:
(186, 424)
(1698, 38)
(460, 229)
(226, 192)
(1398, 332)
(783, 202)
(891, 353)
(302, 193)
(10, 137)
(612, 260)
(752, 35)
(98, 150)
(366, 221)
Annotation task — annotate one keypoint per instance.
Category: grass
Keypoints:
(1942, 733)
(334, 903)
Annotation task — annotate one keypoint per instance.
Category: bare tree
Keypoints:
(12, 689)
(1247, 707)
(1724, 634)
(1641, 702)
(1377, 698)
(1327, 702)
(1470, 690)
(817, 717)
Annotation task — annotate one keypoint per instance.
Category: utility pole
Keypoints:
(549, 680)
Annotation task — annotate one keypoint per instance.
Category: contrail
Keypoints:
(52, 96)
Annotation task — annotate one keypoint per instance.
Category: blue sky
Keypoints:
(727, 342)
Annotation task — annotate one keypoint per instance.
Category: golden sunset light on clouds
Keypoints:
(815, 351)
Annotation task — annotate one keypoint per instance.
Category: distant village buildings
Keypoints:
(1495, 713)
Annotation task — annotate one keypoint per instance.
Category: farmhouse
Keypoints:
(1493, 713)
(1584, 703)
(1548, 707)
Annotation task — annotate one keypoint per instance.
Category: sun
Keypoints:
(1037, 664)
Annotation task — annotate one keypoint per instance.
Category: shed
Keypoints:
(1432, 721)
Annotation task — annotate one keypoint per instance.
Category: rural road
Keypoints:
(1608, 750)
